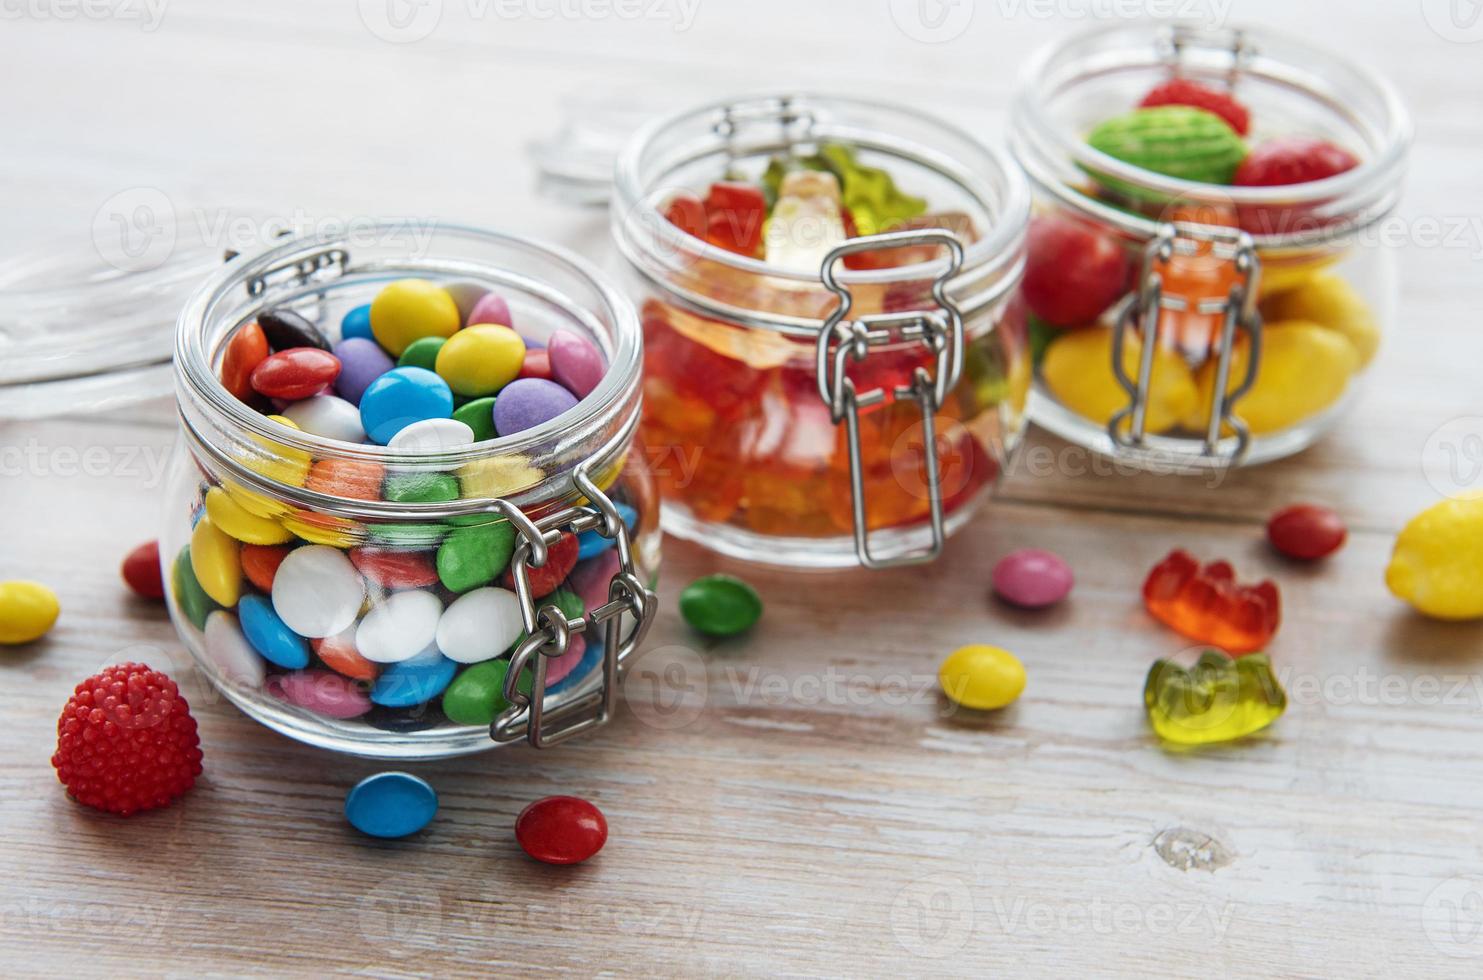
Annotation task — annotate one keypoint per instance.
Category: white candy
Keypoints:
(317, 592)
(480, 625)
(432, 435)
(465, 295)
(328, 416)
(399, 627)
(230, 653)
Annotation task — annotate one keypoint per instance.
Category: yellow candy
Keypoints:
(1304, 369)
(480, 360)
(277, 462)
(256, 504)
(982, 677)
(239, 522)
(1078, 371)
(496, 477)
(1437, 564)
(337, 532)
(27, 611)
(1329, 301)
(410, 309)
(216, 561)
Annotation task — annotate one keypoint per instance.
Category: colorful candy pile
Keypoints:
(1318, 331)
(389, 621)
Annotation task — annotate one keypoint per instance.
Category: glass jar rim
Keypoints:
(1031, 116)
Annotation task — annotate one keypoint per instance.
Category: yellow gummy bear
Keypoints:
(1437, 564)
(1078, 371)
(1329, 301)
(1304, 369)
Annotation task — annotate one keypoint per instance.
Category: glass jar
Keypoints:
(1267, 302)
(321, 507)
(851, 411)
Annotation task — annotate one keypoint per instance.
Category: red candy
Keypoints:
(1208, 606)
(561, 558)
(734, 215)
(126, 741)
(1306, 531)
(299, 372)
(687, 212)
(1182, 91)
(537, 364)
(395, 569)
(561, 830)
(245, 351)
(141, 571)
(260, 563)
(1072, 271)
(1293, 160)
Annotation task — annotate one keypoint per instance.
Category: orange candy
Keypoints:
(246, 350)
(260, 563)
(340, 655)
(354, 478)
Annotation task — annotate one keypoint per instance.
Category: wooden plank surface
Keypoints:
(800, 801)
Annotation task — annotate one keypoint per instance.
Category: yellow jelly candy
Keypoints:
(27, 611)
(480, 360)
(239, 522)
(216, 561)
(1329, 301)
(982, 677)
(1078, 371)
(410, 309)
(1219, 699)
(1437, 564)
(1304, 369)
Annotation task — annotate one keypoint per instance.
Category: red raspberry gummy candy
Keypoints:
(1182, 91)
(1208, 605)
(126, 741)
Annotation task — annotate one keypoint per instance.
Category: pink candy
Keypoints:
(490, 309)
(322, 692)
(575, 363)
(1031, 578)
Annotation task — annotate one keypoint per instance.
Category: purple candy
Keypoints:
(528, 402)
(575, 363)
(361, 362)
(491, 309)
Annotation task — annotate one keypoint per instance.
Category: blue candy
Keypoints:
(391, 804)
(357, 323)
(269, 635)
(590, 543)
(414, 681)
(400, 397)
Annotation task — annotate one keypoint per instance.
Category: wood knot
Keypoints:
(1184, 848)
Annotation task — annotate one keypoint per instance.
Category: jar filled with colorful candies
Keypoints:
(836, 365)
(410, 491)
(1205, 273)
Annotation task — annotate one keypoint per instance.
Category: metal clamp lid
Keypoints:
(840, 340)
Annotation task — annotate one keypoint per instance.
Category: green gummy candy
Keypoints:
(1173, 140)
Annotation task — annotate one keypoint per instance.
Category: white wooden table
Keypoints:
(818, 811)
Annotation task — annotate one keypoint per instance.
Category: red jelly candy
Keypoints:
(1183, 91)
(687, 212)
(395, 569)
(561, 830)
(260, 563)
(141, 571)
(1306, 531)
(245, 351)
(734, 215)
(561, 558)
(1207, 605)
(1072, 271)
(299, 372)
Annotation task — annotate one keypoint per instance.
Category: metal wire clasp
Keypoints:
(549, 631)
(1238, 310)
(940, 330)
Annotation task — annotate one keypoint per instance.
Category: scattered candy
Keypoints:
(141, 571)
(1032, 578)
(1217, 700)
(1306, 532)
(1437, 563)
(1206, 604)
(126, 741)
(391, 805)
(561, 830)
(720, 605)
(528, 402)
(982, 677)
(27, 611)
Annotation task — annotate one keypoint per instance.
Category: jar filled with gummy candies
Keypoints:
(835, 366)
(411, 491)
(1204, 274)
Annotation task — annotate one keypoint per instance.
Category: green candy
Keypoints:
(472, 556)
(421, 488)
(190, 598)
(570, 604)
(720, 605)
(422, 352)
(478, 415)
(1173, 140)
(407, 535)
(478, 693)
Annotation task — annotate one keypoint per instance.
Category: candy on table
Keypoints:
(141, 571)
(720, 605)
(1032, 578)
(1077, 369)
(1185, 91)
(1306, 532)
(126, 741)
(1219, 699)
(1437, 562)
(28, 610)
(1073, 271)
(1206, 604)
(982, 677)
(561, 830)
(391, 805)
